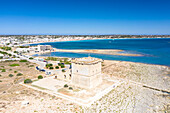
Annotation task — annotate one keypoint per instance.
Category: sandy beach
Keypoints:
(96, 51)
(100, 51)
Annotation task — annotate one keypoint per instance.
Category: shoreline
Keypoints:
(99, 51)
(44, 57)
(88, 39)
(96, 51)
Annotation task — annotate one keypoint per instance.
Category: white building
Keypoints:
(44, 47)
(23, 50)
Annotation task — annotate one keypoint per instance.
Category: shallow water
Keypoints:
(155, 51)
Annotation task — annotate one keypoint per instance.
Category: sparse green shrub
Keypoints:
(10, 75)
(31, 66)
(70, 88)
(15, 71)
(57, 67)
(62, 66)
(19, 74)
(3, 70)
(0, 80)
(6, 48)
(40, 77)
(31, 58)
(0, 75)
(51, 68)
(65, 85)
(63, 70)
(13, 65)
(23, 61)
(27, 81)
(49, 65)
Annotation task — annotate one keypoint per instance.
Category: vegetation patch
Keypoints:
(15, 71)
(40, 77)
(6, 48)
(62, 66)
(31, 66)
(31, 58)
(10, 75)
(63, 70)
(23, 61)
(70, 88)
(51, 68)
(19, 74)
(49, 65)
(65, 85)
(39, 87)
(57, 67)
(13, 65)
(3, 70)
(27, 81)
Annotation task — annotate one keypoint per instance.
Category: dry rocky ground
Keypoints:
(126, 98)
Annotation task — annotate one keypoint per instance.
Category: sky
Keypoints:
(84, 17)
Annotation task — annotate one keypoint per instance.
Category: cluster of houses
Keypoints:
(35, 49)
(14, 41)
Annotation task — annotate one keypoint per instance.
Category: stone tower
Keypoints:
(86, 72)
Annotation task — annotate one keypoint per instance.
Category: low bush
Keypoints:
(57, 67)
(51, 68)
(10, 75)
(48, 65)
(65, 85)
(63, 70)
(15, 71)
(13, 65)
(0, 80)
(40, 77)
(23, 61)
(62, 66)
(0, 75)
(3, 70)
(31, 66)
(27, 81)
(31, 58)
(70, 88)
(6, 48)
(19, 74)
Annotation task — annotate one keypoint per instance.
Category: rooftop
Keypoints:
(86, 60)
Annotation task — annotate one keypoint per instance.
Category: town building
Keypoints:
(44, 47)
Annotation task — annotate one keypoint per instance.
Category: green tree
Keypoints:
(40, 77)
(10, 75)
(27, 81)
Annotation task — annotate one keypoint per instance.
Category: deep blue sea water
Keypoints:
(155, 51)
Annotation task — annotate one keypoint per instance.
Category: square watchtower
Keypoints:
(86, 72)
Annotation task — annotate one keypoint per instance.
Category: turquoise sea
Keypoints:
(155, 51)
